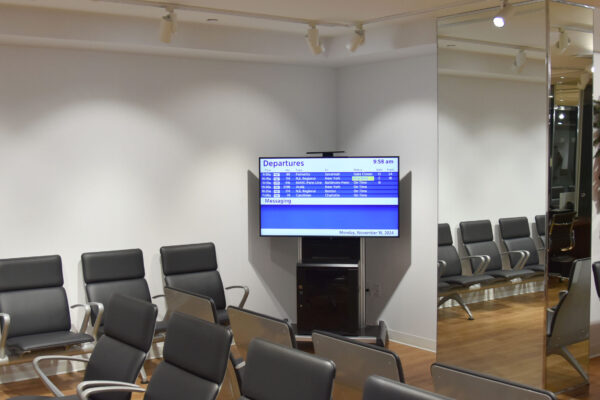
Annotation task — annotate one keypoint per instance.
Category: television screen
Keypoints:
(337, 196)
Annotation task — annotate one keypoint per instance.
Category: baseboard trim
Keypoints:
(412, 340)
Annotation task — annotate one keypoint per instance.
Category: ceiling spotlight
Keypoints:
(506, 11)
(561, 116)
(168, 26)
(563, 40)
(520, 60)
(591, 69)
(358, 39)
(313, 40)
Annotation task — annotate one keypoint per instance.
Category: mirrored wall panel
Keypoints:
(569, 216)
(493, 185)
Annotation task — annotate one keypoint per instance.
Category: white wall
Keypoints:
(492, 149)
(389, 108)
(106, 151)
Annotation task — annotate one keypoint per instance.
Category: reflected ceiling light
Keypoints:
(561, 116)
(168, 26)
(506, 11)
(313, 40)
(591, 69)
(358, 39)
(520, 60)
(563, 40)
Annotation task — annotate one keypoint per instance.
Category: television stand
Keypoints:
(330, 290)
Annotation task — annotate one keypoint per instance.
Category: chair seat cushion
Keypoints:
(222, 317)
(443, 285)
(536, 268)
(468, 280)
(47, 340)
(511, 274)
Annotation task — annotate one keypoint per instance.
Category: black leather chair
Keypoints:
(34, 309)
(355, 362)
(540, 228)
(119, 353)
(569, 322)
(276, 372)
(596, 270)
(109, 272)
(380, 388)
(193, 268)
(450, 277)
(478, 238)
(516, 236)
(195, 360)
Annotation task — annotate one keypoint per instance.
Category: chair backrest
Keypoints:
(248, 325)
(31, 291)
(517, 236)
(463, 384)
(478, 239)
(195, 355)
(571, 321)
(193, 268)
(379, 388)
(596, 269)
(355, 362)
(560, 232)
(275, 372)
(120, 353)
(188, 303)
(540, 227)
(108, 272)
(447, 252)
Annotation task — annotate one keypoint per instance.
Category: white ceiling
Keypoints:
(341, 11)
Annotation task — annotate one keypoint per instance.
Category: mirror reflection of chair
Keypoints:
(478, 239)
(517, 237)
(355, 362)
(569, 322)
(380, 388)
(277, 372)
(540, 228)
(34, 309)
(450, 277)
(463, 384)
(596, 270)
(193, 268)
(195, 360)
(119, 354)
(561, 240)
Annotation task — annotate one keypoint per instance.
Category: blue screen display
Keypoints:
(345, 196)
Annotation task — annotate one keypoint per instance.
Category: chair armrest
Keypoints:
(4, 333)
(86, 316)
(47, 382)
(562, 294)
(87, 388)
(99, 316)
(441, 267)
(244, 297)
(522, 261)
(483, 264)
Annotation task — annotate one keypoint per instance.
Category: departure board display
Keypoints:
(344, 196)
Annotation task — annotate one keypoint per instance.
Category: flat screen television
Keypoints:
(329, 196)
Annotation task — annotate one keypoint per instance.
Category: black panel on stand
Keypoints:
(330, 250)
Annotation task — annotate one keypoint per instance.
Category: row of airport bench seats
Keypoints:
(125, 330)
(484, 258)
